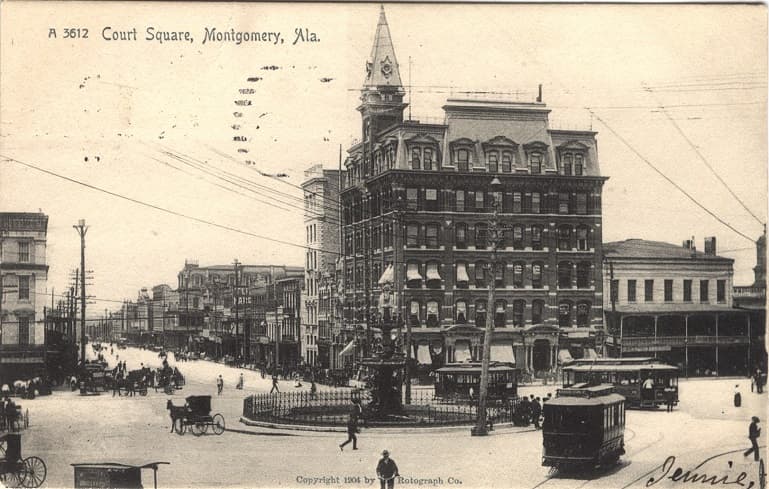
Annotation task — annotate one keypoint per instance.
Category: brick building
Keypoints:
(417, 196)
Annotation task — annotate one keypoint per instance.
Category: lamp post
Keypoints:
(480, 428)
(82, 229)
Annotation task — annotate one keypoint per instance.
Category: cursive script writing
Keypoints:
(688, 476)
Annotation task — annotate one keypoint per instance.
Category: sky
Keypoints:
(676, 87)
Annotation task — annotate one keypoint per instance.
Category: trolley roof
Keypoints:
(475, 367)
(660, 367)
(120, 465)
(585, 395)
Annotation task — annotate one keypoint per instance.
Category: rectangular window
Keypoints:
(567, 160)
(23, 251)
(631, 295)
(614, 290)
(536, 237)
(535, 163)
(704, 290)
(428, 160)
(480, 276)
(493, 159)
(563, 203)
(536, 200)
(536, 276)
(415, 159)
(412, 199)
(582, 238)
(578, 165)
(517, 198)
(518, 237)
(412, 235)
(479, 205)
(687, 290)
(721, 290)
(581, 203)
(463, 159)
(431, 234)
(461, 236)
(431, 199)
(24, 331)
(648, 290)
(668, 290)
(480, 236)
(24, 287)
(460, 201)
(507, 161)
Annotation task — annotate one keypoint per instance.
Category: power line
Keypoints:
(707, 164)
(668, 179)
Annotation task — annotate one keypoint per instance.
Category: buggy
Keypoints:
(197, 415)
(16, 471)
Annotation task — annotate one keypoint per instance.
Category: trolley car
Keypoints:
(461, 381)
(644, 382)
(584, 427)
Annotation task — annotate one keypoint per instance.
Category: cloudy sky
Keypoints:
(159, 118)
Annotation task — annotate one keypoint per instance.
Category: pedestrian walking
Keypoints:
(759, 381)
(754, 432)
(669, 398)
(387, 471)
(219, 385)
(536, 412)
(737, 396)
(275, 384)
(352, 430)
(752, 383)
(240, 382)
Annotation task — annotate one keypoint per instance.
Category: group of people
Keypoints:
(757, 381)
(529, 410)
(8, 413)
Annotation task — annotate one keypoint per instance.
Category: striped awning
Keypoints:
(462, 351)
(501, 352)
(423, 354)
(564, 356)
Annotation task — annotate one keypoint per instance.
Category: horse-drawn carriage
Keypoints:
(169, 379)
(16, 471)
(93, 378)
(196, 414)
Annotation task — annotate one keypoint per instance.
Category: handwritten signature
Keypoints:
(678, 474)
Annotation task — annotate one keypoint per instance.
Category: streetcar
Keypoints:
(461, 381)
(584, 427)
(644, 382)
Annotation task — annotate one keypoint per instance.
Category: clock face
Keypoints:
(387, 67)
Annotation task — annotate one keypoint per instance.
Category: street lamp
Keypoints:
(480, 428)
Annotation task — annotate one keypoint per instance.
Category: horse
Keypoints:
(176, 412)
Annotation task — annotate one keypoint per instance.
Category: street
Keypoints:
(68, 428)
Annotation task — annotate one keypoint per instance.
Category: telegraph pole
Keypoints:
(82, 229)
(480, 428)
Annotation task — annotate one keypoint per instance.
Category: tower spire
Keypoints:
(382, 66)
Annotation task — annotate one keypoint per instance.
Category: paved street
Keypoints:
(67, 428)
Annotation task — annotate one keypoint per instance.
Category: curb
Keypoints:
(502, 429)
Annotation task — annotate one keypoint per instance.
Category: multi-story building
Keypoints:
(752, 298)
(23, 278)
(674, 303)
(322, 230)
(418, 196)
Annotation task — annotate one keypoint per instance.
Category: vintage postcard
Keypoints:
(414, 245)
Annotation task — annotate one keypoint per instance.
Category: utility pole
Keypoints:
(480, 428)
(244, 350)
(82, 229)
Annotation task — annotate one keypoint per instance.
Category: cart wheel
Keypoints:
(36, 472)
(218, 424)
(13, 478)
(143, 392)
(198, 428)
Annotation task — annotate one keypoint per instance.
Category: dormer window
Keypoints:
(416, 157)
(578, 164)
(507, 161)
(573, 160)
(499, 149)
(428, 159)
(462, 157)
(492, 160)
(422, 156)
(535, 163)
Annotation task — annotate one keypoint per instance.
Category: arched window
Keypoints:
(480, 313)
(413, 277)
(564, 314)
(433, 276)
(567, 160)
(518, 307)
(518, 268)
(536, 237)
(481, 236)
(428, 159)
(538, 312)
(583, 314)
(492, 158)
(414, 311)
(462, 280)
(461, 314)
(460, 236)
(535, 162)
(583, 275)
(518, 237)
(480, 274)
(433, 315)
(499, 314)
(564, 275)
(578, 165)
(463, 159)
(499, 274)
(564, 238)
(536, 274)
(507, 161)
(582, 244)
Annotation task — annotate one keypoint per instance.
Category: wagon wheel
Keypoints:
(218, 424)
(198, 428)
(143, 392)
(36, 472)
(15, 477)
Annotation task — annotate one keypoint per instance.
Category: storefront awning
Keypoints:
(564, 356)
(423, 354)
(388, 276)
(432, 272)
(348, 350)
(462, 352)
(501, 352)
(590, 354)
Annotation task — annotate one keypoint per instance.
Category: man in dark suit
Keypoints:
(387, 471)
(352, 429)
(754, 432)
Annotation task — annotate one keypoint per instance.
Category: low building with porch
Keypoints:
(674, 303)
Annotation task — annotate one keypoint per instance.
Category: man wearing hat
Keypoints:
(754, 432)
(387, 471)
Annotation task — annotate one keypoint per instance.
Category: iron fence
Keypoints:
(333, 408)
